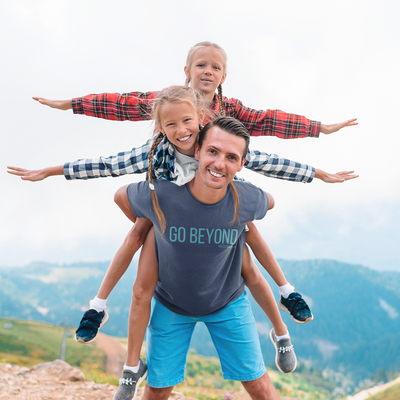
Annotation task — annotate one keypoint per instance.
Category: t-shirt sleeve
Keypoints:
(139, 197)
(262, 207)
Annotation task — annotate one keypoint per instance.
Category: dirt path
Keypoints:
(55, 380)
(114, 354)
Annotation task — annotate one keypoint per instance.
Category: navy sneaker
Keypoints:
(130, 382)
(89, 326)
(296, 307)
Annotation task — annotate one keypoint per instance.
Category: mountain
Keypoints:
(356, 328)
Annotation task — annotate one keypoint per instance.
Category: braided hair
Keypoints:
(172, 94)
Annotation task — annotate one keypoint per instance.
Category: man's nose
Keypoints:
(220, 162)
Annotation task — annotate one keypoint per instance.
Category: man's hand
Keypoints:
(334, 178)
(327, 129)
(59, 104)
(35, 175)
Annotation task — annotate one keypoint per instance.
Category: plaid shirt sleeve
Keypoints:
(134, 106)
(134, 161)
(275, 167)
(272, 122)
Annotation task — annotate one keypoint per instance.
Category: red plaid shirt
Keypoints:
(137, 106)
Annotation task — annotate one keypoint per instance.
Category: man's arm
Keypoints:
(279, 123)
(134, 106)
(134, 161)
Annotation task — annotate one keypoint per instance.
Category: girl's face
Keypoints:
(180, 122)
(206, 71)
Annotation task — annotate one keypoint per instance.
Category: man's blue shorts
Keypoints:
(232, 329)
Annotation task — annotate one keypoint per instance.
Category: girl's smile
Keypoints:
(180, 123)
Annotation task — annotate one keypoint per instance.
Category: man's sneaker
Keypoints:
(130, 382)
(296, 307)
(285, 359)
(89, 326)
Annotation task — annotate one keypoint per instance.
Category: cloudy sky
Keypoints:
(329, 61)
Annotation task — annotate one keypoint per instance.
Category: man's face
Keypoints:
(220, 157)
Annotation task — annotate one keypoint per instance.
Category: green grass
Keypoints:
(38, 342)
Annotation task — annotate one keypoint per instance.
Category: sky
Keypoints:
(329, 61)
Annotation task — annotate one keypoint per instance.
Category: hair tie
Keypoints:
(151, 186)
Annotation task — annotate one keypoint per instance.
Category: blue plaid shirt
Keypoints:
(136, 161)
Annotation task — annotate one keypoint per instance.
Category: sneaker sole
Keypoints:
(138, 384)
(283, 308)
(276, 356)
(105, 319)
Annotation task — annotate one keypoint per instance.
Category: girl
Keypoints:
(177, 113)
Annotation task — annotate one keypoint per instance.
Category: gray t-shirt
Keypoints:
(200, 254)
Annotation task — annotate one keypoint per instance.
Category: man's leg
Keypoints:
(151, 393)
(261, 388)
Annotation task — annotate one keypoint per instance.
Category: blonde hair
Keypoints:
(172, 94)
(189, 61)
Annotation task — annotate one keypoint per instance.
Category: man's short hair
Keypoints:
(227, 124)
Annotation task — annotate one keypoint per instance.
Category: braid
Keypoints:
(222, 110)
(236, 202)
(187, 81)
(150, 176)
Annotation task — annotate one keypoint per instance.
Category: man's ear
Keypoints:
(196, 151)
(242, 164)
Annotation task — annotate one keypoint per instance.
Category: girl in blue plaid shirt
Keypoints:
(178, 112)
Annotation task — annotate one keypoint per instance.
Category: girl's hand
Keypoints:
(334, 178)
(327, 129)
(35, 175)
(59, 104)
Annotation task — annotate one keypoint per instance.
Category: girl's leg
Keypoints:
(135, 370)
(122, 259)
(264, 254)
(290, 301)
(262, 293)
(142, 293)
(96, 316)
(285, 358)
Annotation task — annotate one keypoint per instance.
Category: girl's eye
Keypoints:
(200, 65)
(218, 68)
(188, 119)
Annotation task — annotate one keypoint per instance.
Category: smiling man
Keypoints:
(200, 257)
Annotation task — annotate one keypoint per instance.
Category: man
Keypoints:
(200, 255)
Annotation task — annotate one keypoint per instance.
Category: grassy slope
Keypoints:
(391, 393)
(30, 343)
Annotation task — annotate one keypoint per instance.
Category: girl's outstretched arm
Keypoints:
(134, 161)
(327, 129)
(339, 177)
(133, 106)
(273, 166)
(35, 175)
(58, 104)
